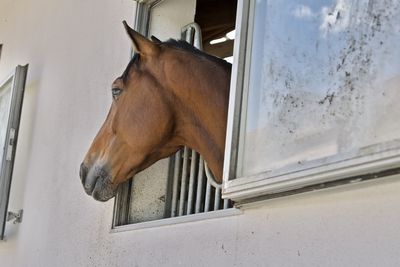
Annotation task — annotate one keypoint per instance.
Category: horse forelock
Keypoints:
(134, 60)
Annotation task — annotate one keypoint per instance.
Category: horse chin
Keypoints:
(104, 189)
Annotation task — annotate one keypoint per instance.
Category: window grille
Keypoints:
(192, 191)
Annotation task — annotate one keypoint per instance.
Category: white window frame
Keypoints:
(375, 160)
(17, 81)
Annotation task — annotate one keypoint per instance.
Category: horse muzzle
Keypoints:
(97, 182)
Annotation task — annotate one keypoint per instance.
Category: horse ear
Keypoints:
(141, 44)
(155, 39)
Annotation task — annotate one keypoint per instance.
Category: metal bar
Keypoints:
(211, 178)
(217, 198)
(193, 162)
(197, 39)
(121, 204)
(198, 42)
(208, 196)
(226, 203)
(178, 156)
(186, 33)
(189, 35)
(169, 186)
(183, 182)
(200, 179)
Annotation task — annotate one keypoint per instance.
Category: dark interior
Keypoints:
(216, 18)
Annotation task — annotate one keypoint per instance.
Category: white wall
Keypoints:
(75, 49)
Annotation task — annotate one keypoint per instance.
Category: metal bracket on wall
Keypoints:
(16, 216)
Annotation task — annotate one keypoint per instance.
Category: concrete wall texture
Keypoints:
(75, 49)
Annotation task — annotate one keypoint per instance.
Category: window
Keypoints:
(187, 192)
(11, 96)
(313, 94)
(177, 187)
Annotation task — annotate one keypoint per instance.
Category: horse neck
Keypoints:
(204, 97)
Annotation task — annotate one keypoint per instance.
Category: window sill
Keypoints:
(178, 220)
(379, 158)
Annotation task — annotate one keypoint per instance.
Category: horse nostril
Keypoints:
(83, 172)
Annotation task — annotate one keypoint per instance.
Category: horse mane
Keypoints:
(181, 44)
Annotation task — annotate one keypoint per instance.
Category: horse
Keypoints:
(169, 96)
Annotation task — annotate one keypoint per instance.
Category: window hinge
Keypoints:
(16, 216)
(10, 144)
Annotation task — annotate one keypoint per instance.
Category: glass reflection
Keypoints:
(324, 80)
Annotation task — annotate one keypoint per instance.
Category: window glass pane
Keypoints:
(324, 80)
(5, 98)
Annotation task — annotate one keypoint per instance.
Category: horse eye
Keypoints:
(116, 92)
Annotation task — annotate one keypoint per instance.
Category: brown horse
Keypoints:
(170, 95)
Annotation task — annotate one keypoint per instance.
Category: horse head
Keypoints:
(161, 102)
